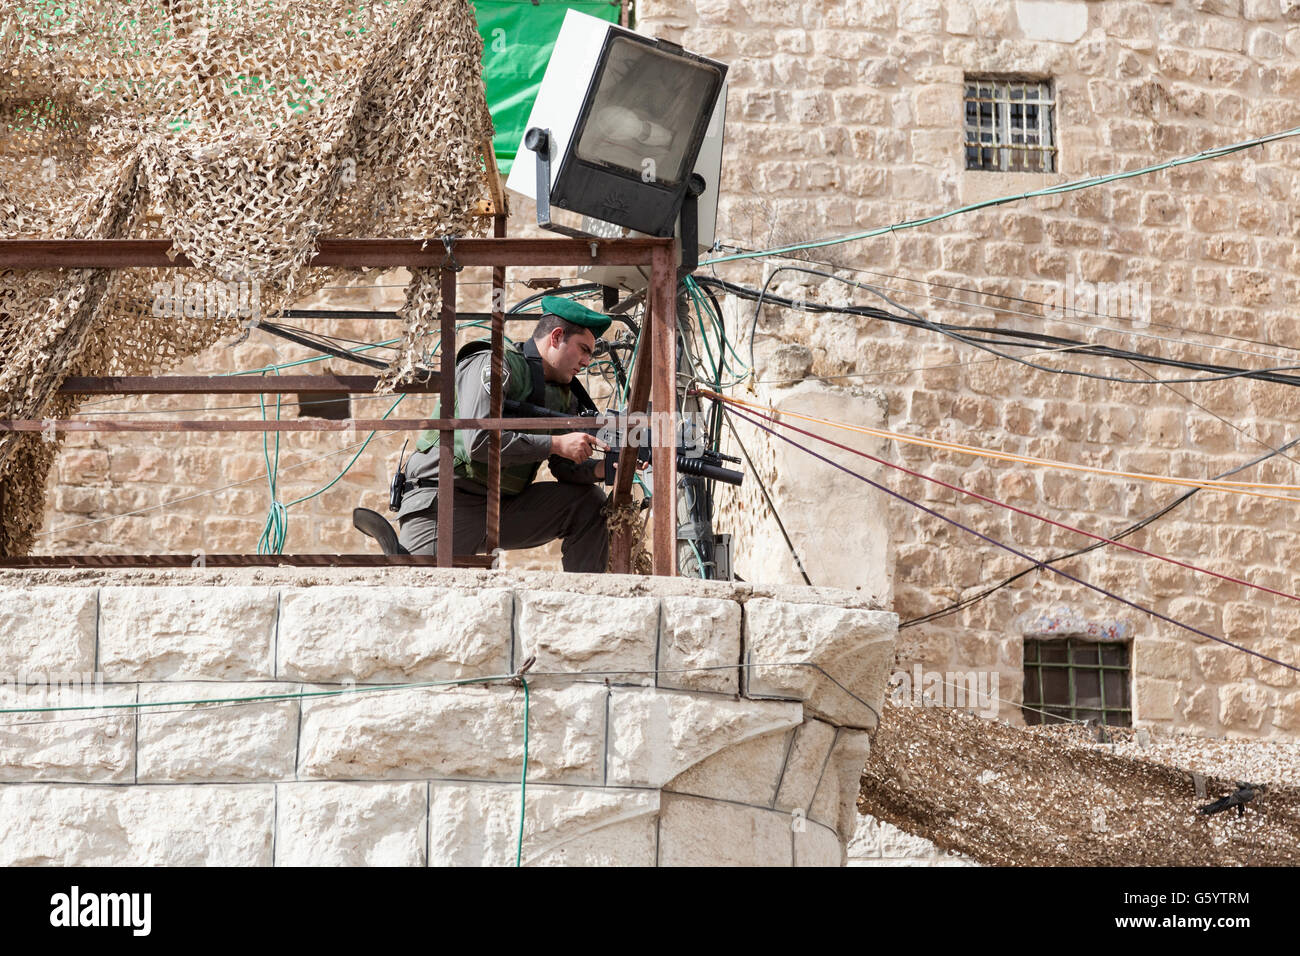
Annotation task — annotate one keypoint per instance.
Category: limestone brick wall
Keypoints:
(177, 492)
(845, 116)
(876, 843)
(648, 741)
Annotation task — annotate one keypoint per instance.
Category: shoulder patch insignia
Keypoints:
(487, 376)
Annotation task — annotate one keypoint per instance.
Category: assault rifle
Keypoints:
(702, 464)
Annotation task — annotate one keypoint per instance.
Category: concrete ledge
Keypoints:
(402, 738)
(48, 630)
(198, 744)
(187, 633)
(372, 635)
(59, 825)
(351, 824)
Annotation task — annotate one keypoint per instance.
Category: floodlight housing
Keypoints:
(619, 120)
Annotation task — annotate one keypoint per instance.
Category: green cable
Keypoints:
(1072, 186)
(307, 361)
(264, 698)
(699, 558)
(337, 478)
(523, 781)
(275, 532)
(138, 705)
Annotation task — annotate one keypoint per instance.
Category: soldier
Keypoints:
(542, 371)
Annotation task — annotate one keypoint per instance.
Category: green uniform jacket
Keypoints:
(522, 453)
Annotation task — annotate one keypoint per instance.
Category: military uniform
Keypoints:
(532, 513)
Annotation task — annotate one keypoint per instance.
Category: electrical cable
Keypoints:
(216, 703)
(960, 333)
(1022, 511)
(1062, 318)
(1207, 484)
(1131, 529)
(200, 494)
(346, 354)
(794, 553)
(1072, 186)
(1018, 553)
(523, 778)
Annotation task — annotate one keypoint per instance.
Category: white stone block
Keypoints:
(351, 824)
(378, 634)
(836, 801)
(700, 632)
(187, 633)
(462, 732)
(478, 825)
(224, 743)
(569, 632)
(75, 745)
(47, 631)
(865, 842)
(901, 845)
(694, 831)
(816, 845)
(68, 825)
(654, 735)
(1060, 21)
(853, 646)
(805, 765)
(746, 773)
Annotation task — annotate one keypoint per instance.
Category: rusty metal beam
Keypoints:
(54, 561)
(663, 331)
(446, 436)
(621, 543)
(339, 253)
(295, 425)
(228, 384)
(496, 375)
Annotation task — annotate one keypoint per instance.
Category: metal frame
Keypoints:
(1008, 154)
(1071, 666)
(653, 378)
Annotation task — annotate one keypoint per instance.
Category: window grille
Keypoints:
(1072, 679)
(1010, 125)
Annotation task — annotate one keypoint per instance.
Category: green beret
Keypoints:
(576, 313)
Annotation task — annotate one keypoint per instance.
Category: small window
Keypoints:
(1009, 125)
(1072, 679)
(336, 406)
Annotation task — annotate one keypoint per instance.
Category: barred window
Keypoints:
(1072, 679)
(1009, 125)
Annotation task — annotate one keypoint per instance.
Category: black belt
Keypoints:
(420, 483)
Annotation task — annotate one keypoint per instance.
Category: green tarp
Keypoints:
(517, 39)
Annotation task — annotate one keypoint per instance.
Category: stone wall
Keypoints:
(876, 843)
(648, 741)
(846, 116)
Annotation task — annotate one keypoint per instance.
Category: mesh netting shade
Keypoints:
(1054, 796)
(242, 131)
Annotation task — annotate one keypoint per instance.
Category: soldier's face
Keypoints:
(570, 356)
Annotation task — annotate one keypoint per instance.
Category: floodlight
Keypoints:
(617, 128)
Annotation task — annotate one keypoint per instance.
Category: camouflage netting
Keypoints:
(1048, 796)
(242, 131)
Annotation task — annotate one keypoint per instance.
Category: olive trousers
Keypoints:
(539, 514)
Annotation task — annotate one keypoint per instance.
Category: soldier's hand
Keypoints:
(575, 446)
